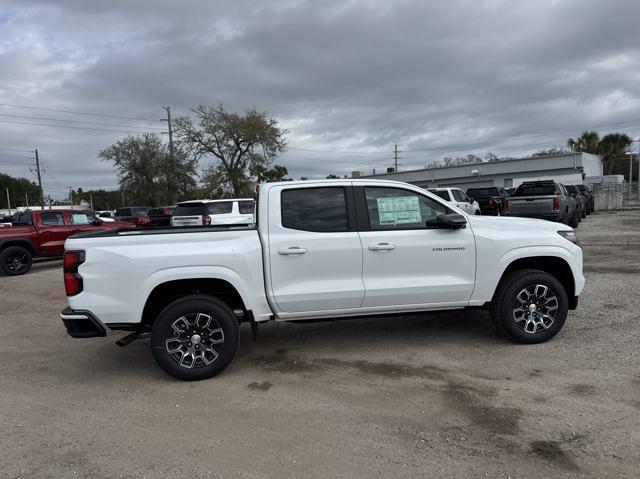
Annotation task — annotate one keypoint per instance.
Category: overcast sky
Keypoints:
(348, 79)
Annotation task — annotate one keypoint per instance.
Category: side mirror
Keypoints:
(471, 198)
(451, 221)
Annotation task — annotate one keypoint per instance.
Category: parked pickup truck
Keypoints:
(319, 250)
(42, 234)
(492, 200)
(545, 200)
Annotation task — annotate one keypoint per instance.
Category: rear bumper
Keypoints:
(82, 324)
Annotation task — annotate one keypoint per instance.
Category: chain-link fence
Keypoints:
(611, 196)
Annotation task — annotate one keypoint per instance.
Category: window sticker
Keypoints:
(399, 210)
(79, 219)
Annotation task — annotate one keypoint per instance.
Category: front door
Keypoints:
(315, 254)
(407, 259)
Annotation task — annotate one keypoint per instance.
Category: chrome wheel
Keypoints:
(194, 340)
(534, 308)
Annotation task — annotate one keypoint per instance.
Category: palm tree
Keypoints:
(587, 142)
(610, 147)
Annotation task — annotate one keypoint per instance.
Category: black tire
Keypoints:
(15, 260)
(197, 360)
(575, 219)
(477, 213)
(505, 302)
(583, 211)
(565, 219)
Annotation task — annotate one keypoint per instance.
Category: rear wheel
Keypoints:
(530, 306)
(15, 260)
(583, 211)
(195, 337)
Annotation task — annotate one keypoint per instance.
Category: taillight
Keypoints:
(556, 202)
(72, 280)
(492, 202)
(206, 220)
(505, 202)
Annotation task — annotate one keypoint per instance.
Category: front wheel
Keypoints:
(15, 260)
(195, 337)
(530, 306)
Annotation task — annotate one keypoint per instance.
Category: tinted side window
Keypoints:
(459, 195)
(220, 208)
(444, 194)
(392, 208)
(323, 210)
(53, 219)
(246, 207)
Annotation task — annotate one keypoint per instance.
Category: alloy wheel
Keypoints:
(534, 308)
(194, 340)
(17, 262)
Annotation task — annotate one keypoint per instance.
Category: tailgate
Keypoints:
(187, 221)
(531, 204)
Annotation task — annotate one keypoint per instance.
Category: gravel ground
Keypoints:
(423, 396)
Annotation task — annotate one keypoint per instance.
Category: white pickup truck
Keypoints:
(318, 250)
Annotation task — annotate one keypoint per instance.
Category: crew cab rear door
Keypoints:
(314, 250)
(53, 231)
(405, 262)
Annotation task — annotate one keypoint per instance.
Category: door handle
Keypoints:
(382, 247)
(292, 250)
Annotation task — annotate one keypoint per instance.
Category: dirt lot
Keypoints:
(425, 396)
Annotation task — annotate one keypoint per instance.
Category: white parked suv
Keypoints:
(458, 198)
(214, 212)
(318, 250)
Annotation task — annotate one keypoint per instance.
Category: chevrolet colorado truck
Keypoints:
(42, 234)
(318, 250)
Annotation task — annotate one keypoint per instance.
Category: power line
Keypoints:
(79, 121)
(15, 149)
(77, 112)
(73, 127)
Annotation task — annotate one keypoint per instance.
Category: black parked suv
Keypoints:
(590, 198)
(582, 200)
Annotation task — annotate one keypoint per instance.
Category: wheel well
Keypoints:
(166, 293)
(26, 244)
(553, 265)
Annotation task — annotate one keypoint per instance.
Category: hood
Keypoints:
(515, 223)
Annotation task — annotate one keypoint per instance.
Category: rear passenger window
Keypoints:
(52, 219)
(322, 210)
(220, 208)
(246, 207)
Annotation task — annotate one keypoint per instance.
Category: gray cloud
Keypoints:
(347, 79)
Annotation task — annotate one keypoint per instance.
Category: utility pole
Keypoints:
(8, 201)
(26, 200)
(396, 158)
(39, 180)
(91, 200)
(171, 168)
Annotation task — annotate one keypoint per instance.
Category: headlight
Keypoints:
(569, 235)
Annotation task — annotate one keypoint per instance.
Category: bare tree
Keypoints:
(243, 145)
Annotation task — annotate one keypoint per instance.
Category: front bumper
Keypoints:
(82, 324)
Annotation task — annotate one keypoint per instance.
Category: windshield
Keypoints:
(541, 189)
(480, 192)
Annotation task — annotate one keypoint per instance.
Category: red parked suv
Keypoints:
(42, 234)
